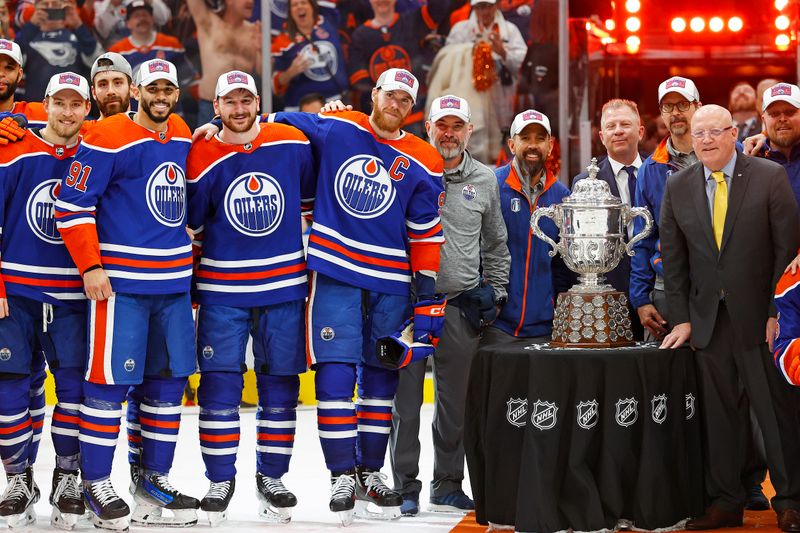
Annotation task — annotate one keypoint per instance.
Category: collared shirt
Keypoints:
(711, 183)
(678, 158)
(621, 176)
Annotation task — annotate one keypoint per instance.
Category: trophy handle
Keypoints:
(550, 213)
(648, 227)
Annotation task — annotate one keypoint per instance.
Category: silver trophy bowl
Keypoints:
(591, 223)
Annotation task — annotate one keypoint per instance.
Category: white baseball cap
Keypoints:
(476, 2)
(11, 49)
(117, 64)
(449, 105)
(683, 86)
(531, 116)
(784, 92)
(68, 80)
(156, 69)
(235, 79)
(400, 79)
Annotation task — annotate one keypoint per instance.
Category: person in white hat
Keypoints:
(678, 100)
(256, 174)
(11, 62)
(31, 171)
(473, 223)
(157, 92)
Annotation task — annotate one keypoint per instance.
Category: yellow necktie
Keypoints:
(720, 205)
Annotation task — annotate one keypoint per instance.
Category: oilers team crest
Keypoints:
(254, 204)
(323, 58)
(469, 192)
(166, 194)
(363, 187)
(40, 211)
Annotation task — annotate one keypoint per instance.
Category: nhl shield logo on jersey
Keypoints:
(517, 411)
(588, 414)
(659, 408)
(40, 211)
(544, 414)
(689, 406)
(166, 194)
(363, 187)
(254, 204)
(626, 412)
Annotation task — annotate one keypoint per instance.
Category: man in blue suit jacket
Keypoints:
(621, 131)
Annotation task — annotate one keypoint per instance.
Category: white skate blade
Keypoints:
(66, 521)
(215, 518)
(346, 517)
(115, 524)
(436, 508)
(149, 515)
(371, 511)
(23, 519)
(272, 514)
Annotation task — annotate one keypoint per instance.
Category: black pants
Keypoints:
(726, 367)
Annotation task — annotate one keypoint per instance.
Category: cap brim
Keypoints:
(448, 113)
(152, 78)
(788, 99)
(60, 88)
(394, 86)
(235, 86)
(8, 53)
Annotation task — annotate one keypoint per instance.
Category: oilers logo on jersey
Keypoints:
(363, 187)
(324, 60)
(40, 211)
(166, 194)
(254, 204)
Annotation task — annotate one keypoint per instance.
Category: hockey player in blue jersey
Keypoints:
(245, 188)
(122, 213)
(42, 307)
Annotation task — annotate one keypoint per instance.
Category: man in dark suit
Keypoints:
(621, 131)
(728, 229)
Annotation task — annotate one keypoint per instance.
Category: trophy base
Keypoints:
(592, 320)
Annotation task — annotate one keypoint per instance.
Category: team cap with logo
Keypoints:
(683, 86)
(68, 80)
(526, 118)
(398, 79)
(476, 2)
(785, 92)
(235, 79)
(157, 69)
(137, 4)
(449, 105)
(12, 50)
(111, 62)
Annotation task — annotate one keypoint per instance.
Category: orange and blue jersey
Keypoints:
(35, 263)
(786, 349)
(122, 205)
(535, 277)
(376, 208)
(164, 47)
(245, 206)
(791, 164)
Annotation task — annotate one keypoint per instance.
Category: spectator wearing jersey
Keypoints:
(110, 20)
(55, 40)
(308, 56)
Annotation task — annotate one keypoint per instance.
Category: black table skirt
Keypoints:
(565, 438)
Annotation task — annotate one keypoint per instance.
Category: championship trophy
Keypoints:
(592, 224)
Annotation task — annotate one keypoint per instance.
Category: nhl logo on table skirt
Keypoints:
(544, 414)
(659, 408)
(588, 413)
(40, 211)
(517, 411)
(689, 406)
(626, 412)
(166, 194)
(254, 204)
(363, 187)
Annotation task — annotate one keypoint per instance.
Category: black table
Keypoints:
(576, 438)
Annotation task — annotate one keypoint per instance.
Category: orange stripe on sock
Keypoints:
(277, 437)
(219, 438)
(168, 424)
(336, 419)
(375, 416)
(98, 427)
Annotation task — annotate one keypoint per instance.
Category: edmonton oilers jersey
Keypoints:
(245, 207)
(376, 209)
(122, 205)
(35, 263)
(786, 349)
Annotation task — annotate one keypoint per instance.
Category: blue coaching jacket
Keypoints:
(535, 277)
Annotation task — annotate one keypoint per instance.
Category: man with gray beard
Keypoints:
(476, 237)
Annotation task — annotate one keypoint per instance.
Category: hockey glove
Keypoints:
(429, 320)
(399, 349)
(12, 128)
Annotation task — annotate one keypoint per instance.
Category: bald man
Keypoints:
(728, 229)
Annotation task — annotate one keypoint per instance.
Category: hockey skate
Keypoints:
(215, 503)
(136, 472)
(276, 501)
(66, 499)
(16, 506)
(343, 496)
(374, 500)
(108, 510)
(154, 494)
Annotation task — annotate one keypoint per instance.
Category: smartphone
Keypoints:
(56, 13)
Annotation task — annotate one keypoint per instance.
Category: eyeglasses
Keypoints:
(716, 132)
(788, 113)
(682, 107)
